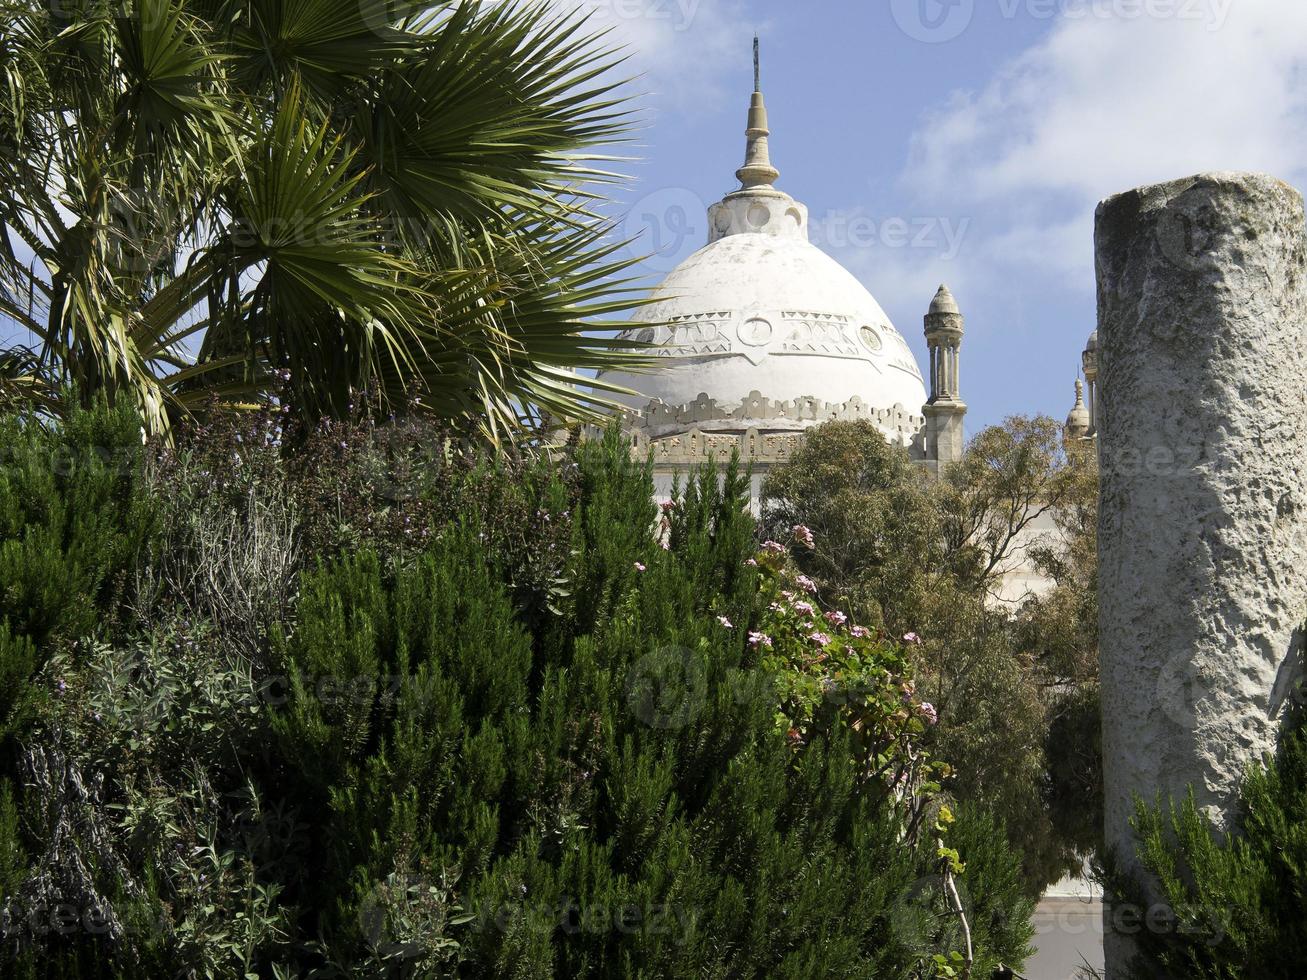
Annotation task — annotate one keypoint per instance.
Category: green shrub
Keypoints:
(151, 856)
(537, 735)
(76, 524)
(1001, 907)
(1234, 904)
(614, 792)
(13, 862)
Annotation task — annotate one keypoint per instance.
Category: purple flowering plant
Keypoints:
(829, 670)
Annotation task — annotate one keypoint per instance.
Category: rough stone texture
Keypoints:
(1202, 418)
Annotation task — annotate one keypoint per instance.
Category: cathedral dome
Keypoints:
(772, 314)
(762, 329)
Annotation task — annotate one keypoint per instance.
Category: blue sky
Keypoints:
(965, 141)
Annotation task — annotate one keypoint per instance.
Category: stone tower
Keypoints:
(945, 410)
(1078, 422)
(1089, 361)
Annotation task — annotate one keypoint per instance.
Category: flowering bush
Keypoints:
(829, 670)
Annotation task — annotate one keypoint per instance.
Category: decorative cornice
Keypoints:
(761, 429)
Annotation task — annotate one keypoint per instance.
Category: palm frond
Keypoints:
(501, 110)
(517, 332)
(327, 46)
(195, 194)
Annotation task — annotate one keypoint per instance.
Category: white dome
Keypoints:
(761, 329)
(771, 313)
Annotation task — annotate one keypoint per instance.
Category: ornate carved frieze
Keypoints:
(901, 356)
(762, 429)
(778, 332)
(818, 333)
(693, 335)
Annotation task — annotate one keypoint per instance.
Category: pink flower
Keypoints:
(912, 638)
(804, 609)
(666, 546)
(639, 567)
(773, 547)
(751, 562)
(759, 639)
(861, 632)
(836, 618)
(929, 713)
(725, 622)
(803, 535)
(821, 639)
(807, 584)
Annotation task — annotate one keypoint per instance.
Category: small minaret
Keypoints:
(945, 410)
(1089, 361)
(1077, 423)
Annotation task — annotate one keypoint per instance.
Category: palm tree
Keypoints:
(198, 195)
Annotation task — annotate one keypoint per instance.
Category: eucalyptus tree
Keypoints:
(197, 196)
(1016, 700)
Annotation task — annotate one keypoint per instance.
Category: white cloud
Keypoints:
(1103, 103)
(680, 48)
(1061, 249)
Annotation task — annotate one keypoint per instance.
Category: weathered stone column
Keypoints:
(1202, 412)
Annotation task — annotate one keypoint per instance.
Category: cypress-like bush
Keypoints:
(1233, 905)
(75, 526)
(519, 722)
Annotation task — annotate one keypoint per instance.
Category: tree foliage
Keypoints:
(1059, 629)
(878, 543)
(198, 194)
(930, 558)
